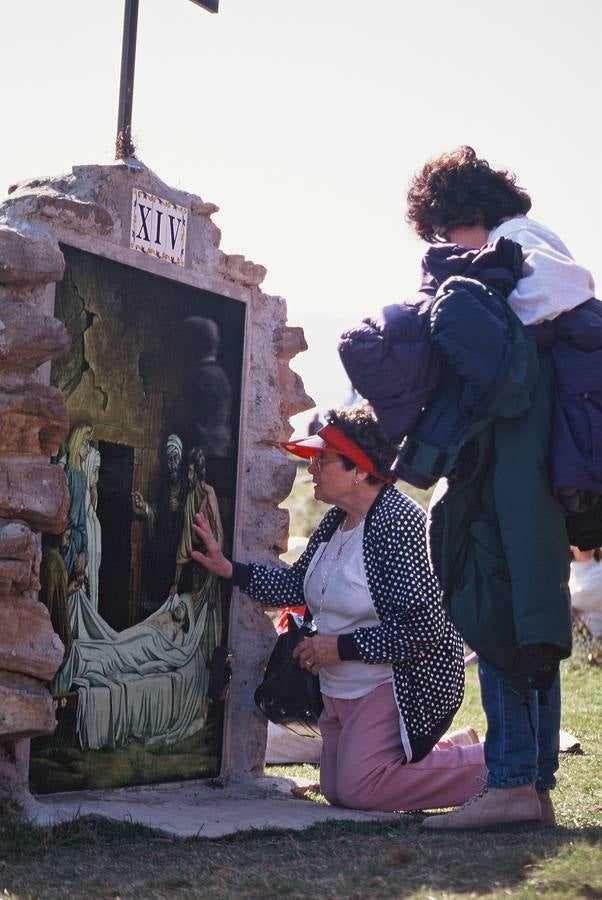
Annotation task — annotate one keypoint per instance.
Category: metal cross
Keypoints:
(124, 147)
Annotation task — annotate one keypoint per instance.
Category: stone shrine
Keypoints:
(144, 375)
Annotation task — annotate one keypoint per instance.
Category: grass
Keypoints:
(93, 858)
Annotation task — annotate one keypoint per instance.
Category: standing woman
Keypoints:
(91, 468)
(390, 663)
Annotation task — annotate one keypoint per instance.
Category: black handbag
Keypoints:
(288, 694)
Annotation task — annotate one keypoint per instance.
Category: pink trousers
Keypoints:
(362, 764)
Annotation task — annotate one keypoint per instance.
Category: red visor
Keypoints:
(331, 439)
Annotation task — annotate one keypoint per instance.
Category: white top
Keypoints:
(585, 585)
(552, 282)
(337, 594)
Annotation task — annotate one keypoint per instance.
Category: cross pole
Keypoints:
(124, 147)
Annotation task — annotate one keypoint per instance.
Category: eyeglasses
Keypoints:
(323, 459)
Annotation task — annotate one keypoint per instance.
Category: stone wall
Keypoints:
(33, 494)
(90, 210)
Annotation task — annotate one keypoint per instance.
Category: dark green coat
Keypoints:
(504, 555)
(497, 537)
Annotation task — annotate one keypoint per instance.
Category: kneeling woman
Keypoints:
(390, 663)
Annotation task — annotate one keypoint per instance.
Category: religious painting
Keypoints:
(153, 386)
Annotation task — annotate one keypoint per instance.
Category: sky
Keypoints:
(304, 120)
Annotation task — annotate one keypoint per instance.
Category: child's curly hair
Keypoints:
(459, 189)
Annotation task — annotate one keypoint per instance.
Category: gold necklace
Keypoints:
(335, 561)
(329, 572)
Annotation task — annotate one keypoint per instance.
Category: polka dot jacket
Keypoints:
(414, 635)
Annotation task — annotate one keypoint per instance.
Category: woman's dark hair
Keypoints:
(359, 424)
(459, 189)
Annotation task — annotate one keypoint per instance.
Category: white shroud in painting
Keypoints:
(145, 683)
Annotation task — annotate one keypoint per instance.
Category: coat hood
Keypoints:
(497, 265)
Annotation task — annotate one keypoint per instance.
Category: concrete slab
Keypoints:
(198, 808)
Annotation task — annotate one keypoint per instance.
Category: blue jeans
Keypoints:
(522, 741)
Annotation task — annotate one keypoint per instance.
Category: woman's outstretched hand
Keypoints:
(213, 559)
